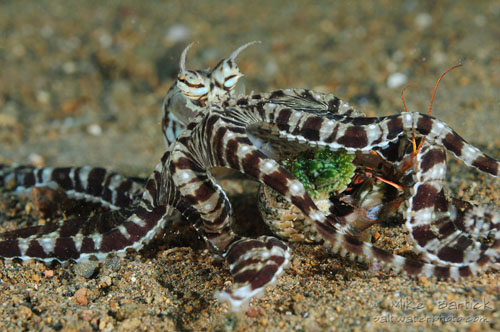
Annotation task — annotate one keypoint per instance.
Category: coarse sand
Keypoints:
(81, 83)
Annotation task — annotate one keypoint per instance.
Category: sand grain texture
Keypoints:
(82, 83)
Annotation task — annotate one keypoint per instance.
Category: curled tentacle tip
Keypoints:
(235, 305)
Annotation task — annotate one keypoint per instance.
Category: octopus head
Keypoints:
(194, 90)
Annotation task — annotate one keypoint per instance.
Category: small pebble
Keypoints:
(36, 159)
(396, 80)
(231, 322)
(25, 313)
(19, 50)
(387, 304)
(475, 327)
(423, 20)
(254, 312)
(105, 282)
(81, 296)
(177, 33)
(43, 97)
(94, 129)
(86, 316)
(105, 40)
(86, 269)
(69, 67)
(114, 263)
(46, 31)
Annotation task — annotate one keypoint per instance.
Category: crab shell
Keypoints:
(321, 171)
(360, 204)
(285, 219)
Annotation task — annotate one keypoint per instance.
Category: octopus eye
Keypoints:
(226, 73)
(193, 84)
(230, 82)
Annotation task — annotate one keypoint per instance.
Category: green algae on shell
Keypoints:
(321, 171)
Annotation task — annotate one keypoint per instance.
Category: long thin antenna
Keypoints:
(403, 98)
(432, 99)
(436, 86)
(415, 148)
(406, 110)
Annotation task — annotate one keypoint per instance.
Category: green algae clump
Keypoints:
(321, 171)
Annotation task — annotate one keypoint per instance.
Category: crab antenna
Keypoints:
(436, 86)
(415, 148)
(182, 62)
(432, 99)
(406, 110)
(241, 48)
(403, 98)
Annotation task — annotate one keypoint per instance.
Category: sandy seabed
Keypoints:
(82, 83)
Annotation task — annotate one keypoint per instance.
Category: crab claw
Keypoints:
(254, 264)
